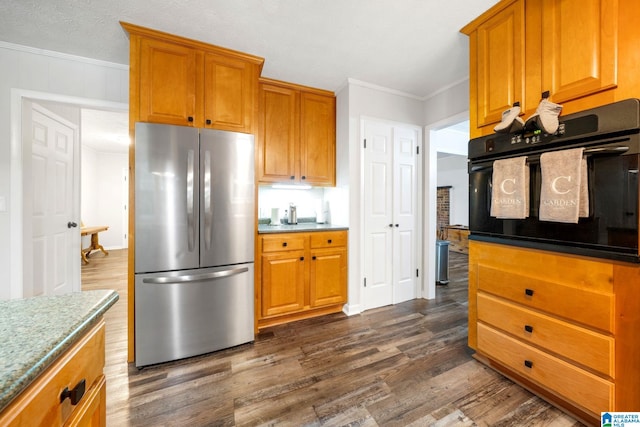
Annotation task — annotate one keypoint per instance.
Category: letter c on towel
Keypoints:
(502, 185)
(555, 182)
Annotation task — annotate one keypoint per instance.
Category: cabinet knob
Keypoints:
(284, 244)
(528, 363)
(75, 394)
(292, 177)
(329, 241)
(304, 177)
(391, 225)
(528, 328)
(528, 292)
(397, 225)
(190, 119)
(313, 257)
(208, 121)
(301, 258)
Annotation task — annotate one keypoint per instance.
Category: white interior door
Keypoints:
(378, 205)
(51, 203)
(405, 141)
(391, 232)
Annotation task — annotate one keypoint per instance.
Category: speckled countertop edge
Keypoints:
(34, 332)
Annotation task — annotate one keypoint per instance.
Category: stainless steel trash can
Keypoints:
(442, 262)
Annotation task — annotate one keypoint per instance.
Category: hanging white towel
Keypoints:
(564, 195)
(510, 188)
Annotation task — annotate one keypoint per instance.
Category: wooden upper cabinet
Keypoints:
(179, 81)
(161, 63)
(229, 88)
(317, 138)
(497, 46)
(278, 129)
(578, 50)
(296, 134)
(579, 47)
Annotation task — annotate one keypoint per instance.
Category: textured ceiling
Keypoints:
(412, 46)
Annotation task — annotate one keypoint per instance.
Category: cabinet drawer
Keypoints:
(585, 389)
(328, 239)
(40, 403)
(284, 242)
(588, 348)
(581, 305)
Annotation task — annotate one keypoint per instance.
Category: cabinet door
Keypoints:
(579, 47)
(282, 282)
(328, 277)
(168, 79)
(317, 139)
(499, 53)
(278, 134)
(228, 93)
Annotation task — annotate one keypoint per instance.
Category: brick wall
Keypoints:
(442, 209)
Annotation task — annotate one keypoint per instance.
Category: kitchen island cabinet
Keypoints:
(174, 80)
(300, 275)
(54, 349)
(582, 52)
(563, 326)
(296, 134)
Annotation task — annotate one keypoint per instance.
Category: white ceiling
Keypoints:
(410, 46)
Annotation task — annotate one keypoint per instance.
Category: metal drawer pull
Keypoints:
(529, 292)
(528, 328)
(74, 395)
(528, 363)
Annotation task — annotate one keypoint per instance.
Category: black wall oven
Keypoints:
(610, 136)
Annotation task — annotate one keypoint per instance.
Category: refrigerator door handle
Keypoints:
(208, 211)
(196, 277)
(190, 200)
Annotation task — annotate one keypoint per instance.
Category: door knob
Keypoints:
(71, 224)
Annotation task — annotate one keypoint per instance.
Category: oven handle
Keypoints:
(536, 157)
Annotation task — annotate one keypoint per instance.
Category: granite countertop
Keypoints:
(300, 227)
(34, 332)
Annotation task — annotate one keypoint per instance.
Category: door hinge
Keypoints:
(365, 282)
(365, 143)
(417, 272)
(417, 149)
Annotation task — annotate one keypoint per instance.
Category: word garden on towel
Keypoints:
(564, 196)
(510, 188)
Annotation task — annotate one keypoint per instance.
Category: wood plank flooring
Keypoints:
(402, 365)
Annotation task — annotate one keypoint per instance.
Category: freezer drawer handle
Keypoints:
(196, 277)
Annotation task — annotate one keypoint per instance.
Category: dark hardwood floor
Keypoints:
(402, 365)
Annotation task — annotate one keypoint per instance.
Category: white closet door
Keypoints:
(404, 214)
(390, 213)
(378, 205)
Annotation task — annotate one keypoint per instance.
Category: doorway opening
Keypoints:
(64, 106)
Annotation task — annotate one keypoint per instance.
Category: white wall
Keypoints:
(35, 73)
(104, 195)
(452, 171)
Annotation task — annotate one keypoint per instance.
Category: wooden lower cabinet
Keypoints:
(41, 403)
(300, 275)
(563, 326)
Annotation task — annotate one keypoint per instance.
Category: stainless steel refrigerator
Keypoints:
(194, 241)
